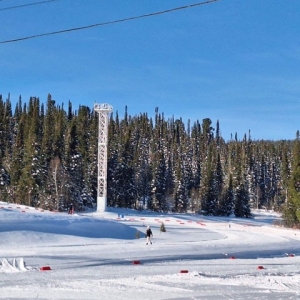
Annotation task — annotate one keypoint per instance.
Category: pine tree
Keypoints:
(16, 164)
(5, 146)
(227, 204)
(242, 208)
(74, 162)
(30, 179)
(158, 185)
(48, 132)
(89, 192)
(124, 176)
(143, 172)
(112, 164)
(180, 194)
(196, 166)
(169, 183)
(292, 209)
(219, 183)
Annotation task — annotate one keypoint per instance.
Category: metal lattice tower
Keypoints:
(103, 110)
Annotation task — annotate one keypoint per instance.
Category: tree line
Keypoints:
(48, 159)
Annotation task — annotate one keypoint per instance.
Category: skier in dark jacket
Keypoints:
(149, 235)
(71, 209)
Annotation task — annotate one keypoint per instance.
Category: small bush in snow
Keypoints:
(162, 227)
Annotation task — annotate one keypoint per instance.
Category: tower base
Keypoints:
(101, 204)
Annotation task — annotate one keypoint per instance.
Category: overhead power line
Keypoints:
(109, 22)
(28, 4)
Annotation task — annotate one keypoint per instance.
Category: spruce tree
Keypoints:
(242, 208)
(292, 209)
(227, 204)
(30, 179)
(158, 185)
(180, 193)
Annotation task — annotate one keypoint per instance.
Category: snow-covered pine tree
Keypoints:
(158, 185)
(242, 207)
(292, 209)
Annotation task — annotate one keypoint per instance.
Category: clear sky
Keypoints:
(233, 61)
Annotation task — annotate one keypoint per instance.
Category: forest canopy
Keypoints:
(48, 159)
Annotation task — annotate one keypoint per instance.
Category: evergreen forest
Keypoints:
(48, 159)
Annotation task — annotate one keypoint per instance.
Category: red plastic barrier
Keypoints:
(260, 267)
(200, 223)
(184, 271)
(136, 262)
(47, 268)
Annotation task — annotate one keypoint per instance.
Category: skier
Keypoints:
(71, 209)
(149, 234)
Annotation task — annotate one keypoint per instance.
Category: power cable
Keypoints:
(109, 22)
(24, 5)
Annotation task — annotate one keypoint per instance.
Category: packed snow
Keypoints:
(91, 255)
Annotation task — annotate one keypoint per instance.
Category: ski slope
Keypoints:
(51, 255)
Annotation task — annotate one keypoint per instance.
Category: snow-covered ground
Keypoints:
(99, 256)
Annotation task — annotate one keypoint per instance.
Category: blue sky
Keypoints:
(233, 61)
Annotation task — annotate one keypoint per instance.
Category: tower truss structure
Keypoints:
(103, 110)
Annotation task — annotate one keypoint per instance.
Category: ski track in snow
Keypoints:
(221, 256)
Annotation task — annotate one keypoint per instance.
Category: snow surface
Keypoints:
(99, 256)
